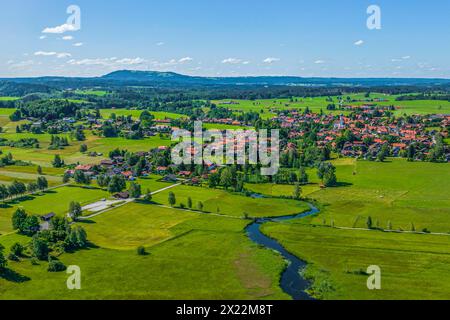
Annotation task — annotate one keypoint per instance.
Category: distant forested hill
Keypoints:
(170, 80)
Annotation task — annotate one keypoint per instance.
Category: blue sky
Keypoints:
(227, 38)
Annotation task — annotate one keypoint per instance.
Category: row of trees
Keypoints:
(18, 188)
(173, 201)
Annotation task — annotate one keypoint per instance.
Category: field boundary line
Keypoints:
(126, 202)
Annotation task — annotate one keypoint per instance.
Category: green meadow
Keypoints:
(56, 200)
(106, 114)
(400, 192)
(99, 93)
(412, 266)
(207, 255)
(188, 255)
(320, 103)
(220, 126)
(71, 154)
(222, 202)
(396, 194)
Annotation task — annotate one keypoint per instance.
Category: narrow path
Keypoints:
(393, 231)
(124, 202)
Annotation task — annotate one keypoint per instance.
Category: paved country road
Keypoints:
(104, 206)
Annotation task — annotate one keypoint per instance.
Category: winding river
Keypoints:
(291, 281)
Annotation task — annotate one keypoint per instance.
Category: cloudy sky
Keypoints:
(225, 38)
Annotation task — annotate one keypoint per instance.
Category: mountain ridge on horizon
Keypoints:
(130, 77)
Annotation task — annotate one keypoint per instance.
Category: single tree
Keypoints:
(42, 183)
(57, 161)
(18, 219)
(66, 177)
(31, 225)
(369, 222)
(148, 196)
(135, 190)
(297, 191)
(172, 199)
(75, 210)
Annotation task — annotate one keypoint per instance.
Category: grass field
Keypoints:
(280, 190)
(412, 266)
(56, 200)
(220, 126)
(9, 174)
(232, 205)
(318, 103)
(99, 93)
(106, 113)
(402, 193)
(398, 191)
(71, 154)
(190, 256)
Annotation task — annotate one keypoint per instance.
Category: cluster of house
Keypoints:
(370, 131)
(227, 121)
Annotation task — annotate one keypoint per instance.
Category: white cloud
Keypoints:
(42, 37)
(359, 43)
(159, 44)
(52, 53)
(319, 62)
(67, 38)
(63, 55)
(59, 29)
(45, 53)
(185, 59)
(396, 60)
(130, 61)
(108, 62)
(406, 57)
(78, 44)
(21, 65)
(271, 60)
(231, 61)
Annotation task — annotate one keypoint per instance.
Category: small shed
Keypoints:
(122, 195)
(48, 216)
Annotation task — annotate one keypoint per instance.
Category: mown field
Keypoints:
(71, 154)
(106, 114)
(412, 266)
(320, 103)
(225, 203)
(399, 192)
(190, 256)
(396, 193)
(29, 173)
(55, 200)
(207, 255)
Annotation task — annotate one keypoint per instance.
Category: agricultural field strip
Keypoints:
(205, 213)
(39, 191)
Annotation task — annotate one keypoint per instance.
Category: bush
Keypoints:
(141, 251)
(55, 266)
(13, 257)
(17, 249)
